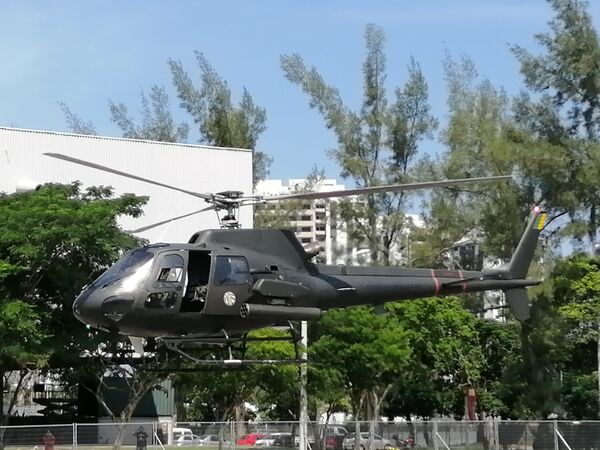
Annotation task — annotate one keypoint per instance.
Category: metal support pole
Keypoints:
(436, 445)
(303, 396)
(555, 434)
(74, 436)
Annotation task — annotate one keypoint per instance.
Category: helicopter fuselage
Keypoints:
(234, 281)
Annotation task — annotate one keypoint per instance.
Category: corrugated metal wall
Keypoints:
(192, 167)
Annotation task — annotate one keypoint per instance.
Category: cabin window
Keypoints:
(161, 300)
(232, 270)
(170, 271)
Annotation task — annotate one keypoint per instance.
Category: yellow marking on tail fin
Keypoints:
(541, 220)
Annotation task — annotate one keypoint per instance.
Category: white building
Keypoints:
(318, 221)
(315, 221)
(195, 168)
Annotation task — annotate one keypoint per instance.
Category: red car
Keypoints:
(249, 439)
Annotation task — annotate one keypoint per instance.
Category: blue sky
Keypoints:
(85, 53)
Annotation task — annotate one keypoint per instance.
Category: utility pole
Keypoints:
(303, 395)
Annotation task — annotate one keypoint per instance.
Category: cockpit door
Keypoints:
(230, 285)
(165, 286)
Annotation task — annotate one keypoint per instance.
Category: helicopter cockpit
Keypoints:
(154, 280)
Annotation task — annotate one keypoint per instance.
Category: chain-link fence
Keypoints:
(433, 435)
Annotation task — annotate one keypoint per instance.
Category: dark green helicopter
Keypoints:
(226, 282)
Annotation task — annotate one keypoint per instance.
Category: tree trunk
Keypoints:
(240, 425)
(598, 361)
(3, 418)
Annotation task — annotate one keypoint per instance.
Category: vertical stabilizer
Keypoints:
(519, 264)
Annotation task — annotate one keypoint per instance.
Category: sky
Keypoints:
(87, 53)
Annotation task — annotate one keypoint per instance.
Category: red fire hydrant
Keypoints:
(49, 441)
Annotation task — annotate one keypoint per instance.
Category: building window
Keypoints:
(306, 229)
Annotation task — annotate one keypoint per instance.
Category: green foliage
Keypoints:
(157, 121)
(75, 124)
(52, 242)
(367, 351)
(21, 336)
(446, 357)
(564, 118)
(580, 396)
(377, 144)
(220, 122)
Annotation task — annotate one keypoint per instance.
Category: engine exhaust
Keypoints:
(258, 311)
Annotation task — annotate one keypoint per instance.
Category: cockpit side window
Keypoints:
(170, 271)
(231, 270)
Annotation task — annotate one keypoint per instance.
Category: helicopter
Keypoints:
(224, 283)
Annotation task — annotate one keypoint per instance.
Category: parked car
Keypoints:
(268, 440)
(210, 440)
(379, 443)
(283, 440)
(334, 437)
(187, 440)
(178, 432)
(249, 439)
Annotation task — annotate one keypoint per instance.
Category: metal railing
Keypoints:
(434, 435)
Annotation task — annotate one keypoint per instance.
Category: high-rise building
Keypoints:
(320, 221)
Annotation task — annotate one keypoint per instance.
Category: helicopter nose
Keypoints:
(86, 308)
(97, 308)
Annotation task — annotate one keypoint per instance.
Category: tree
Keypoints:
(564, 117)
(576, 287)
(446, 358)
(478, 139)
(368, 351)
(157, 120)
(75, 124)
(220, 122)
(377, 144)
(52, 242)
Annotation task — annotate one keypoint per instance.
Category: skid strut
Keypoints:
(234, 343)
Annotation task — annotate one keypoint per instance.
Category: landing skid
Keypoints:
(237, 345)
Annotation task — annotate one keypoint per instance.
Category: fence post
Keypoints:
(436, 445)
(154, 434)
(74, 446)
(232, 433)
(497, 433)
(555, 434)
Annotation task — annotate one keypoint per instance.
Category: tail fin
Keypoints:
(518, 266)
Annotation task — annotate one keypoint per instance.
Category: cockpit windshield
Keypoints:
(127, 265)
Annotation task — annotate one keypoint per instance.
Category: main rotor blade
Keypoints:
(162, 222)
(125, 174)
(379, 189)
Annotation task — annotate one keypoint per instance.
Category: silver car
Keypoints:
(379, 443)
